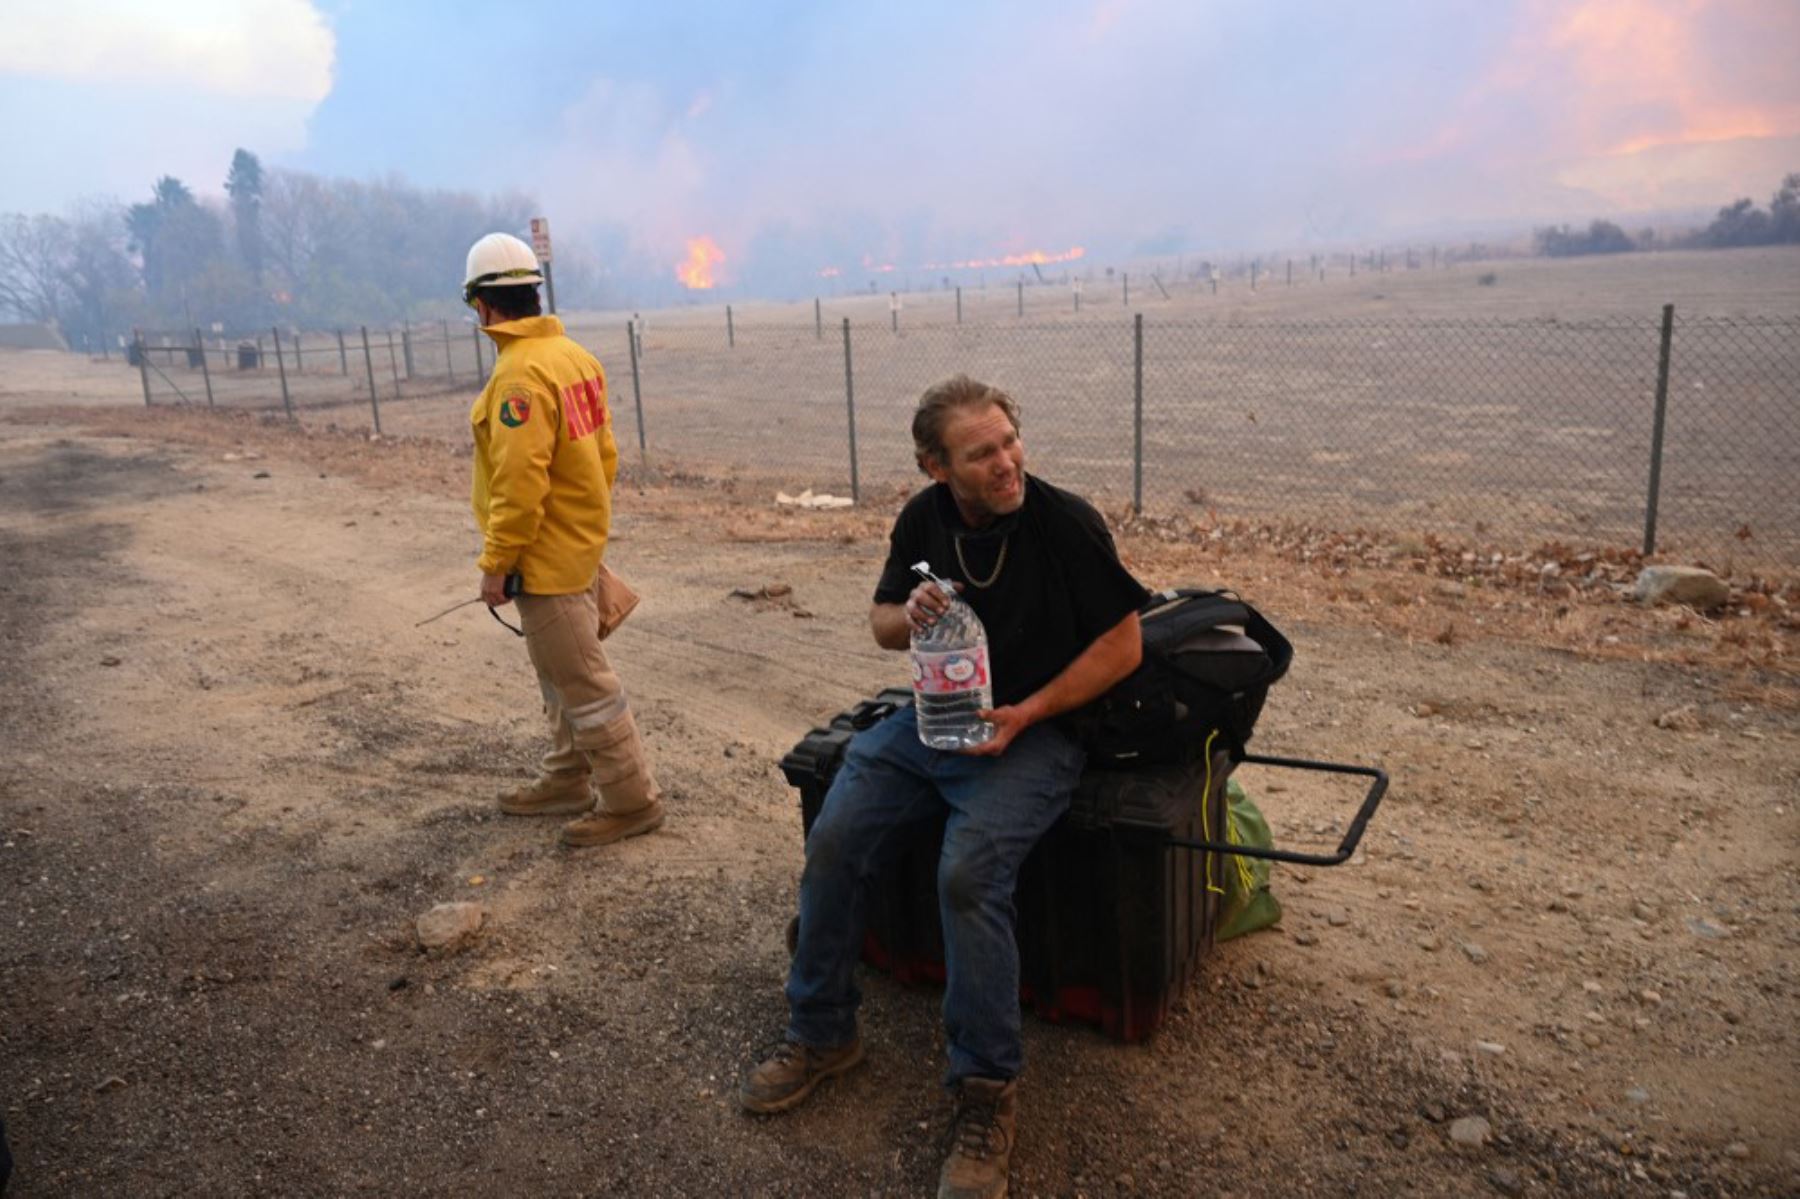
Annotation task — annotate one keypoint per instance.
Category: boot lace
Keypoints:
(781, 1053)
(975, 1129)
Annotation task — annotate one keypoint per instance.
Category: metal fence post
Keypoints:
(1656, 429)
(1137, 416)
(449, 362)
(299, 363)
(894, 309)
(637, 391)
(406, 346)
(393, 365)
(205, 371)
(1021, 297)
(343, 356)
(287, 401)
(730, 330)
(476, 334)
(850, 404)
(1125, 280)
(818, 320)
(143, 357)
(959, 303)
(369, 365)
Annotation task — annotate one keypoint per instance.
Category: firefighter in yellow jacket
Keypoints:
(544, 466)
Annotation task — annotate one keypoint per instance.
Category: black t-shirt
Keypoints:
(1060, 587)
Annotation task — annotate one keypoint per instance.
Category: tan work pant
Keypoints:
(591, 727)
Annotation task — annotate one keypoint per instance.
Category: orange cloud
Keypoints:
(1619, 77)
(1650, 73)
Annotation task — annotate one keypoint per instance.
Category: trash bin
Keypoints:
(249, 356)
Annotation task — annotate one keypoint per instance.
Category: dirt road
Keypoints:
(232, 773)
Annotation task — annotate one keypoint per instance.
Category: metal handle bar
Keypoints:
(1352, 835)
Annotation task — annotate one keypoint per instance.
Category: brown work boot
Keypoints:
(603, 828)
(981, 1140)
(790, 1073)
(550, 795)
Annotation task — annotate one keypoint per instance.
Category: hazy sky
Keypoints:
(931, 130)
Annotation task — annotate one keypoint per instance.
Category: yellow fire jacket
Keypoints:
(545, 458)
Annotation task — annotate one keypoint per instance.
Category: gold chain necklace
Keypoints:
(999, 564)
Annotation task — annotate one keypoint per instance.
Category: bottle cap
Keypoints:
(923, 570)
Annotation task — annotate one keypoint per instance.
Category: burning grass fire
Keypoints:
(1028, 258)
(703, 254)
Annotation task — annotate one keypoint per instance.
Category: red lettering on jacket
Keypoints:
(584, 407)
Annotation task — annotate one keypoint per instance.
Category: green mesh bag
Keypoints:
(1246, 904)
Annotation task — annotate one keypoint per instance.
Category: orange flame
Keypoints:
(703, 254)
(1028, 258)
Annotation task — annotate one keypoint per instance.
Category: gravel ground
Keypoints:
(233, 773)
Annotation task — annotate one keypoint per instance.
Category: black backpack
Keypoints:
(1209, 660)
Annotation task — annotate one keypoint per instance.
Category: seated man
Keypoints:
(1038, 566)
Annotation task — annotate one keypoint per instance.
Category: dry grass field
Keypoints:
(233, 771)
(1413, 402)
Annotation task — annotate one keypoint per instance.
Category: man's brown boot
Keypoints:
(550, 795)
(603, 828)
(790, 1073)
(981, 1140)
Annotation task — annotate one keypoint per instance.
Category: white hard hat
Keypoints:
(499, 260)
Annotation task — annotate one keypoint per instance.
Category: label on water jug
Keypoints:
(950, 672)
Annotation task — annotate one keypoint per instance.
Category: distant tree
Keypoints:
(1784, 211)
(32, 252)
(144, 223)
(177, 241)
(1739, 224)
(244, 185)
(1553, 241)
(1601, 237)
(97, 276)
(347, 251)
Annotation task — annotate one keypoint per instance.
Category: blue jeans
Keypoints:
(995, 810)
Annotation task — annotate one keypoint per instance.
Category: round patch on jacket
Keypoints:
(515, 410)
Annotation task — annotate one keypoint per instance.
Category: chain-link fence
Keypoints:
(1616, 431)
(312, 372)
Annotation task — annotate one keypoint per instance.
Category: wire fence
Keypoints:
(1677, 435)
(319, 371)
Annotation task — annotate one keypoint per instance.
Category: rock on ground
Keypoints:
(1473, 1131)
(449, 925)
(1691, 585)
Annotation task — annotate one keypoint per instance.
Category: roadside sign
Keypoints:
(540, 237)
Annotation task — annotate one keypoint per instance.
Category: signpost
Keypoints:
(540, 245)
